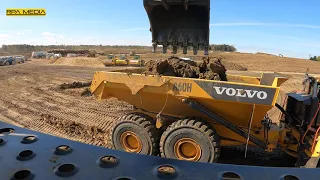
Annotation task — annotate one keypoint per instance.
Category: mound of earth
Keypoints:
(79, 61)
(208, 68)
(234, 66)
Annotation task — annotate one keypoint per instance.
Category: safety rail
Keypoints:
(28, 155)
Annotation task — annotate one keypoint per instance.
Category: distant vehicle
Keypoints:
(57, 56)
(4, 61)
(11, 60)
(40, 54)
(110, 60)
(136, 61)
(71, 55)
(19, 59)
(49, 55)
(122, 60)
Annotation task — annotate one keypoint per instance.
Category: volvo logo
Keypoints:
(241, 92)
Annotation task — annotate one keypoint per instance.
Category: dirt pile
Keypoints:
(234, 66)
(208, 68)
(79, 61)
(74, 85)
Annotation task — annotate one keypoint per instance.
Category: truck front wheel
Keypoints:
(136, 133)
(191, 140)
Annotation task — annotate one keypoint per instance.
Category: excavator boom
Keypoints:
(179, 23)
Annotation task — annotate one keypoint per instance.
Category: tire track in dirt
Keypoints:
(35, 104)
(80, 118)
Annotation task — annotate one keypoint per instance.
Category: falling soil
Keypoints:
(86, 92)
(208, 68)
(74, 85)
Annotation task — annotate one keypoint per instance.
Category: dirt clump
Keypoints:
(86, 92)
(74, 85)
(208, 68)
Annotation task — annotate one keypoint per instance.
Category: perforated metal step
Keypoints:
(27, 155)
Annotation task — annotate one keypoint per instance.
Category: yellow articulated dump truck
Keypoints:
(191, 119)
(136, 61)
(122, 60)
(110, 61)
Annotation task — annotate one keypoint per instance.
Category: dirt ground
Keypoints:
(232, 61)
(33, 95)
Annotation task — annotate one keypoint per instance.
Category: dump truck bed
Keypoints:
(232, 100)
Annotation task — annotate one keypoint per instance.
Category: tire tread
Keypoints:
(148, 124)
(196, 124)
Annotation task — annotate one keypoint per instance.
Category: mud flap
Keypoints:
(179, 23)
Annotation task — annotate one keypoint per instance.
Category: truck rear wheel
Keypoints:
(136, 133)
(191, 140)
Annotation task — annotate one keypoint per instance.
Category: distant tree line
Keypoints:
(315, 58)
(223, 47)
(26, 48)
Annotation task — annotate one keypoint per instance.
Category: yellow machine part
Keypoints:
(109, 62)
(136, 62)
(152, 94)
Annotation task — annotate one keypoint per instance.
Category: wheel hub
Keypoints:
(187, 149)
(130, 142)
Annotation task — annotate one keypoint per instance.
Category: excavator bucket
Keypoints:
(179, 23)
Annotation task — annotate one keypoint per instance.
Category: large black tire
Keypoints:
(143, 127)
(199, 131)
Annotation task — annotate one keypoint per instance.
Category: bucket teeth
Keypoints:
(196, 46)
(195, 50)
(164, 47)
(154, 47)
(206, 50)
(174, 49)
(181, 23)
(185, 49)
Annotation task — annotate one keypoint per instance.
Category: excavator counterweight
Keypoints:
(179, 23)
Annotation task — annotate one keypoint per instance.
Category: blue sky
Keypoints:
(289, 27)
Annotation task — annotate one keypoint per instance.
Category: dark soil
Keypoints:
(208, 68)
(86, 92)
(74, 85)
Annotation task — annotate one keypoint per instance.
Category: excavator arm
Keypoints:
(179, 23)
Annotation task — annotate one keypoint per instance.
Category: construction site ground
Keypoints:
(33, 96)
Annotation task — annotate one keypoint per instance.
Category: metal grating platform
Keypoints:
(27, 155)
